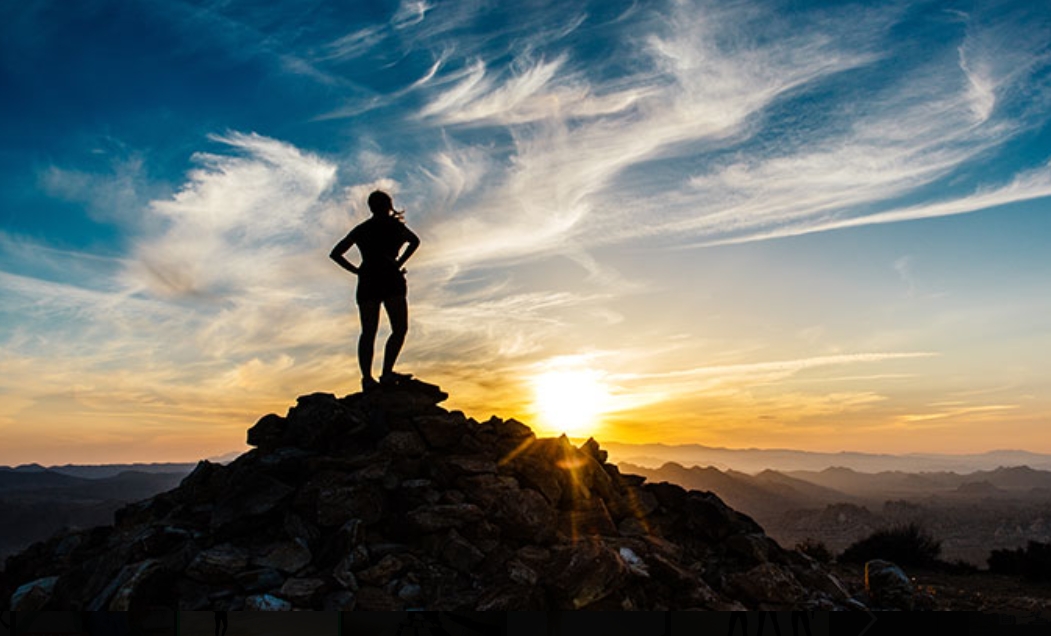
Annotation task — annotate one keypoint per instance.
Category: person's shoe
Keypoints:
(369, 383)
(391, 377)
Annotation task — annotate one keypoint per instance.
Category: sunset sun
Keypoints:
(570, 401)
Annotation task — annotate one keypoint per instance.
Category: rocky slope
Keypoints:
(385, 501)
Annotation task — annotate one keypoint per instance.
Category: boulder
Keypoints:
(583, 573)
(888, 585)
(267, 603)
(34, 595)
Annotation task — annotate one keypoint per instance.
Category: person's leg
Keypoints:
(369, 313)
(398, 314)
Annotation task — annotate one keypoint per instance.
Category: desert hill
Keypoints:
(386, 501)
(763, 495)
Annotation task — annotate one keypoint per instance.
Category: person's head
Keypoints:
(380, 203)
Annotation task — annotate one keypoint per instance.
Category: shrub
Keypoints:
(903, 545)
(815, 549)
(1032, 562)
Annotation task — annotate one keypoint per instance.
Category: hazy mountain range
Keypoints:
(755, 460)
(776, 487)
(969, 513)
(36, 502)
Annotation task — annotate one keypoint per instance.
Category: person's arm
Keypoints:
(413, 241)
(340, 249)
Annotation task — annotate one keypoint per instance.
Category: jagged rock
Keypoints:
(336, 506)
(591, 447)
(442, 431)
(242, 504)
(349, 535)
(410, 593)
(634, 502)
(460, 553)
(288, 556)
(302, 592)
(300, 531)
(267, 432)
(432, 518)
(404, 443)
(590, 518)
(267, 603)
(470, 465)
(521, 573)
(751, 548)
(583, 573)
(155, 541)
(384, 501)
(259, 580)
(319, 418)
(218, 564)
(340, 601)
(888, 585)
(145, 581)
(374, 599)
(768, 583)
(383, 571)
(354, 560)
(512, 429)
(525, 514)
(33, 595)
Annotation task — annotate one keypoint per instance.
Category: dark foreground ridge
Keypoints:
(386, 501)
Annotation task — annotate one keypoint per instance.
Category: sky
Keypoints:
(784, 224)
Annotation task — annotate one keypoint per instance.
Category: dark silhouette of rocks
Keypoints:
(386, 501)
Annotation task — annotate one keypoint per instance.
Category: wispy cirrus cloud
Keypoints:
(248, 214)
(931, 121)
(706, 84)
(574, 134)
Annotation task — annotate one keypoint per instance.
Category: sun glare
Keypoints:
(570, 401)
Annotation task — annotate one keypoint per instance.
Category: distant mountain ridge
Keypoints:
(37, 502)
(746, 460)
(102, 471)
(755, 460)
(972, 513)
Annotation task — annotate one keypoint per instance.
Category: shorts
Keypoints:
(378, 286)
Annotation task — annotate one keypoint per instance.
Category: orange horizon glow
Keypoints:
(608, 407)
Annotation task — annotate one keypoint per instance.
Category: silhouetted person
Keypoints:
(220, 619)
(381, 281)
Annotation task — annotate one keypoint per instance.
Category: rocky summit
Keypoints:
(386, 501)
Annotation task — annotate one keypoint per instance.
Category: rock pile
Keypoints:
(386, 501)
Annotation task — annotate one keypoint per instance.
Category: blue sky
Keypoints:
(770, 224)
